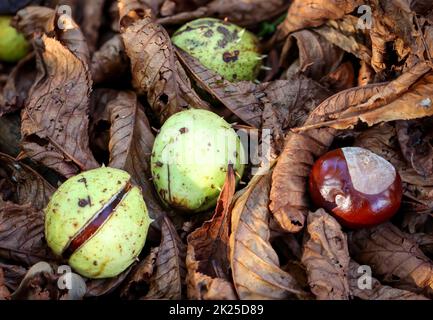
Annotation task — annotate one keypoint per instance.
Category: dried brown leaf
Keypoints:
(167, 281)
(22, 185)
(55, 121)
(22, 234)
(240, 12)
(110, 61)
(34, 19)
(207, 258)
(287, 104)
(326, 257)
(17, 86)
(317, 57)
(342, 78)
(345, 34)
(289, 200)
(407, 97)
(155, 68)
(4, 292)
(377, 291)
(313, 13)
(255, 265)
(394, 257)
(139, 276)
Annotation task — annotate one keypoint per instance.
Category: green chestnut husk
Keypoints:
(80, 204)
(13, 45)
(190, 158)
(227, 49)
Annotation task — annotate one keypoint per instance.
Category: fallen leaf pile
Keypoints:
(97, 91)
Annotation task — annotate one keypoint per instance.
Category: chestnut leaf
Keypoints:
(326, 257)
(17, 87)
(240, 12)
(22, 185)
(55, 120)
(168, 280)
(22, 234)
(408, 97)
(255, 267)
(378, 291)
(313, 13)
(394, 257)
(110, 61)
(207, 259)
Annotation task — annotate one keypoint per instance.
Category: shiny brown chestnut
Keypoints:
(360, 188)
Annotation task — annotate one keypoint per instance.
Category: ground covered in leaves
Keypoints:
(97, 91)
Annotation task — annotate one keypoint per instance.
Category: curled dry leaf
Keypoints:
(255, 265)
(167, 282)
(345, 34)
(207, 259)
(34, 19)
(110, 61)
(22, 234)
(377, 291)
(342, 78)
(22, 185)
(55, 121)
(287, 104)
(326, 257)
(314, 13)
(139, 276)
(155, 68)
(4, 292)
(393, 22)
(405, 98)
(17, 86)
(240, 12)
(394, 257)
(317, 57)
(289, 200)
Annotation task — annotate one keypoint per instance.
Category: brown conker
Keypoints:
(360, 188)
